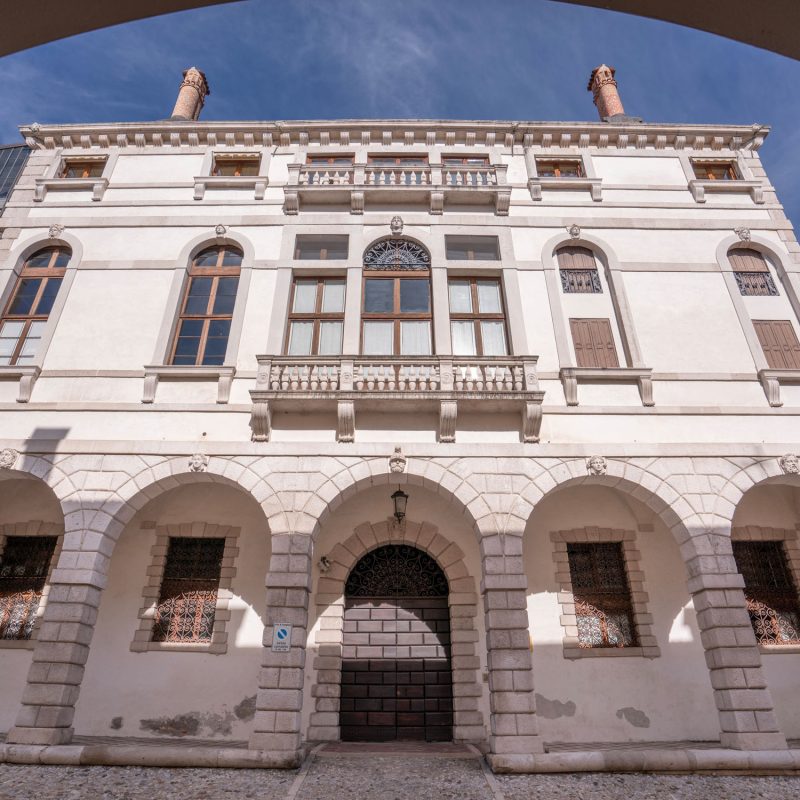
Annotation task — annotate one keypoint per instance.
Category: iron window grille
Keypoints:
(188, 597)
(752, 273)
(24, 566)
(769, 590)
(603, 605)
(578, 271)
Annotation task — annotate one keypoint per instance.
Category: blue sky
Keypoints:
(311, 59)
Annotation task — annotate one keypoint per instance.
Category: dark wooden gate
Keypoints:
(396, 674)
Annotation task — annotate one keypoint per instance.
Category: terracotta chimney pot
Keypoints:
(191, 95)
(604, 91)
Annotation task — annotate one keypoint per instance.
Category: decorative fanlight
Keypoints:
(400, 500)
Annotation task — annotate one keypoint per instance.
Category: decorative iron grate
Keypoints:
(188, 598)
(770, 592)
(755, 283)
(581, 281)
(602, 596)
(396, 570)
(23, 571)
(397, 254)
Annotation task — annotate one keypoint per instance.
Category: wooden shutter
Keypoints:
(746, 260)
(594, 343)
(779, 343)
(571, 257)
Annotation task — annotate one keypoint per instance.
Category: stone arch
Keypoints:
(749, 476)
(230, 238)
(755, 242)
(463, 599)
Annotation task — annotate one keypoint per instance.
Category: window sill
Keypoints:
(18, 644)
(97, 186)
(168, 372)
(575, 653)
(771, 381)
(593, 185)
(258, 183)
(212, 648)
(25, 375)
(698, 188)
(642, 376)
(783, 649)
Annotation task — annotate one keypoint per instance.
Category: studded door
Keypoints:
(396, 674)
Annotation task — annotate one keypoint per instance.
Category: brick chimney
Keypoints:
(191, 95)
(604, 91)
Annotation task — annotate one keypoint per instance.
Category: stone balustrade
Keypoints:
(408, 383)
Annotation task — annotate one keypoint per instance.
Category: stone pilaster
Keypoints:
(62, 647)
(280, 691)
(514, 726)
(746, 713)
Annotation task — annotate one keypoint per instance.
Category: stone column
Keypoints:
(62, 644)
(280, 687)
(514, 727)
(747, 718)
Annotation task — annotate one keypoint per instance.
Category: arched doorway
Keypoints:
(396, 675)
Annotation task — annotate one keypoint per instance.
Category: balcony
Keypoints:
(397, 383)
(433, 185)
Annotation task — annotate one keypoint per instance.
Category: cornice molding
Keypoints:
(422, 133)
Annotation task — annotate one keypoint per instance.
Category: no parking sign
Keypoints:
(281, 637)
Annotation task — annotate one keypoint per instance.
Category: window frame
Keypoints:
(323, 251)
(318, 316)
(216, 272)
(731, 165)
(557, 163)
(420, 161)
(476, 316)
(451, 239)
(396, 316)
(45, 274)
(235, 158)
(94, 162)
(575, 280)
(466, 161)
(341, 160)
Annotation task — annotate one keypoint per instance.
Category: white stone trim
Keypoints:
(648, 646)
(219, 637)
(32, 528)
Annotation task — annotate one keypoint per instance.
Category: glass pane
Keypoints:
(463, 335)
(330, 338)
(415, 296)
(62, 259)
(29, 347)
(26, 293)
(11, 329)
(40, 259)
(217, 341)
(188, 341)
(460, 297)
(415, 338)
(207, 258)
(226, 295)
(378, 338)
(318, 246)
(494, 338)
(300, 336)
(379, 296)
(545, 170)
(48, 297)
(489, 297)
(333, 297)
(199, 294)
(305, 297)
(231, 257)
(472, 248)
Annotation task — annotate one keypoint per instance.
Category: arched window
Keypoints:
(26, 314)
(396, 311)
(206, 310)
(578, 269)
(751, 271)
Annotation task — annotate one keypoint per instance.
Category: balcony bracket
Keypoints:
(448, 415)
(261, 421)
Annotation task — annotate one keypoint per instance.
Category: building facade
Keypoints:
(380, 430)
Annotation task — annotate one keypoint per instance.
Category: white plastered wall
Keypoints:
(178, 690)
(612, 698)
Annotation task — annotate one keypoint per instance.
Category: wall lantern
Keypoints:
(400, 499)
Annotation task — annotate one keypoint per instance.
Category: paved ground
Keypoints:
(376, 777)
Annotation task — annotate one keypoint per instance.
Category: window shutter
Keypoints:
(571, 257)
(594, 343)
(779, 343)
(746, 260)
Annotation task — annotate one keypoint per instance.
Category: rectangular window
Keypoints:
(236, 166)
(779, 343)
(578, 270)
(751, 272)
(24, 565)
(396, 316)
(321, 247)
(594, 343)
(316, 319)
(82, 168)
(472, 248)
(715, 170)
(465, 161)
(769, 590)
(398, 161)
(26, 314)
(559, 168)
(602, 596)
(321, 161)
(477, 321)
(188, 597)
